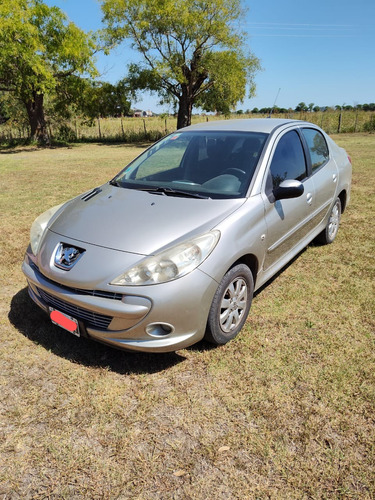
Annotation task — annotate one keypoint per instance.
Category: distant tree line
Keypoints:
(311, 108)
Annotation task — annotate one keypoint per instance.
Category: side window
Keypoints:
(288, 161)
(317, 147)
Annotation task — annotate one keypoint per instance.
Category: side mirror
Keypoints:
(288, 189)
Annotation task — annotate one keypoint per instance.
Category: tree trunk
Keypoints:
(184, 111)
(35, 112)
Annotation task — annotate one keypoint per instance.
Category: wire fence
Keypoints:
(150, 129)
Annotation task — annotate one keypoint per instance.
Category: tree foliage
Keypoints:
(39, 47)
(102, 99)
(301, 107)
(193, 52)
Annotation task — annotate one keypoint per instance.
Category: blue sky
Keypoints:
(320, 51)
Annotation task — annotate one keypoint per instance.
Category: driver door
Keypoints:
(288, 221)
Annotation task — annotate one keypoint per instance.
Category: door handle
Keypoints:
(309, 198)
(334, 178)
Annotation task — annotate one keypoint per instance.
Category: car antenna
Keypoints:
(274, 104)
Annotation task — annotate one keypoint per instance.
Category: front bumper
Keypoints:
(156, 318)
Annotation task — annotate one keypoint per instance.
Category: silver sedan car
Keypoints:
(171, 250)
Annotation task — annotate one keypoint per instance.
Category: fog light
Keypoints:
(159, 329)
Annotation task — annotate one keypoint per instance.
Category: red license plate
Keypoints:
(65, 321)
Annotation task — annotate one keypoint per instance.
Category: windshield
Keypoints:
(197, 163)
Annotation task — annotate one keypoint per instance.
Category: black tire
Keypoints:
(329, 233)
(230, 306)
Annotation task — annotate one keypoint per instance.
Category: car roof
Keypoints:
(265, 125)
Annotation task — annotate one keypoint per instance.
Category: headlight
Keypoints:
(170, 264)
(38, 227)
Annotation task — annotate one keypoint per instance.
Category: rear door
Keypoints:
(324, 172)
(288, 221)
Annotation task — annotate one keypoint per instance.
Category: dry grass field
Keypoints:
(287, 410)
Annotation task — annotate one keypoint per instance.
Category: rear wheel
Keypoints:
(328, 235)
(230, 305)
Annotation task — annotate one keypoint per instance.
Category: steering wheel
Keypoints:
(241, 174)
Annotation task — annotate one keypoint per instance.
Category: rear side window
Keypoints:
(318, 148)
(288, 161)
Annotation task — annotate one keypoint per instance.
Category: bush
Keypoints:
(370, 125)
(65, 134)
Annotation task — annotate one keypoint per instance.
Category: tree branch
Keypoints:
(7, 89)
(63, 74)
(166, 84)
(203, 88)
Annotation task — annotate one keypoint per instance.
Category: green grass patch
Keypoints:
(286, 410)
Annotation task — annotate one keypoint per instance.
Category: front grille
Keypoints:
(80, 291)
(91, 319)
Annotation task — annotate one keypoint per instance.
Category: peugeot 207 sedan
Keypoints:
(171, 250)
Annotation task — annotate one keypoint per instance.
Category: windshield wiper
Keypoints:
(114, 183)
(173, 192)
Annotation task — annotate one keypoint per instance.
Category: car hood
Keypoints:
(136, 221)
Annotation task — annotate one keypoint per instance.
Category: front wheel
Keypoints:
(230, 305)
(330, 231)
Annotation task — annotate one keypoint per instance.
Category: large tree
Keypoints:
(192, 51)
(102, 99)
(39, 48)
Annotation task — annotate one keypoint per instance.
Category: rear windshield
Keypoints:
(208, 164)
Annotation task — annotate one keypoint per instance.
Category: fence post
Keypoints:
(144, 126)
(340, 120)
(122, 128)
(100, 132)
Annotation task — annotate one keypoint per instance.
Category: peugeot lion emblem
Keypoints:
(66, 256)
